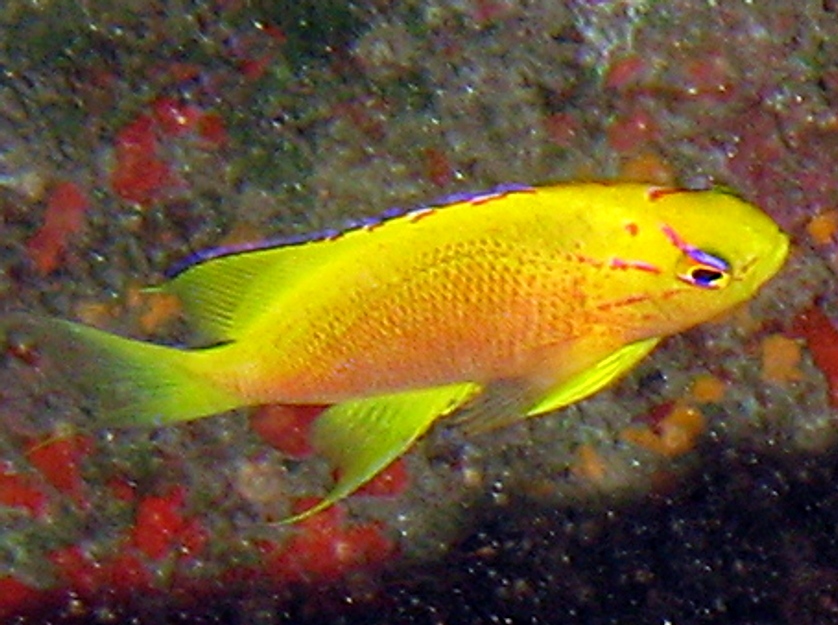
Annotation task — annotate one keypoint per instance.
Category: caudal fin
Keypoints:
(124, 381)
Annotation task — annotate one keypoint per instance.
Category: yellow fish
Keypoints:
(549, 293)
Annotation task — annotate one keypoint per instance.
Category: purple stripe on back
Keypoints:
(203, 256)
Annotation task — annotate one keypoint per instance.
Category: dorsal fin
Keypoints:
(222, 296)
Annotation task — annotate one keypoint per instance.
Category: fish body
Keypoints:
(552, 291)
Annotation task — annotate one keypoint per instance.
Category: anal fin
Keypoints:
(361, 437)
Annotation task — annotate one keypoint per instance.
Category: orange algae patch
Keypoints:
(158, 309)
(742, 318)
(241, 232)
(822, 227)
(647, 167)
(822, 340)
(707, 389)
(589, 464)
(674, 435)
(151, 310)
(96, 314)
(780, 360)
(64, 217)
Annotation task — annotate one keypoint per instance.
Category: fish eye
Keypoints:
(703, 269)
(705, 276)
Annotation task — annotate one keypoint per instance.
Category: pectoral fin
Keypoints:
(362, 437)
(502, 403)
(594, 378)
(509, 401)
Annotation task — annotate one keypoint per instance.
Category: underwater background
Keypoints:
(700, 489)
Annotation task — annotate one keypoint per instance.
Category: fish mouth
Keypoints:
(777, 254)
(771, 258)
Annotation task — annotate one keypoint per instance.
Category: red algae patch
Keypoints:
(59, 461)
(158, 523)
(162, 527)
(139, 175)
(16, 597)
(121, 573)
(438, 168)
(632, 131)
(626, 72)
(21, 491)
(175, 117)
(709, 75)
(125, 573)
(563, 129)
(391, 482)
(212, 130)
(63, 218)
(821, 338)
(141, 172)
(325, 548)
(286, 428)
(76, 569)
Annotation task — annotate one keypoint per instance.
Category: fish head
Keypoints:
(699, 254)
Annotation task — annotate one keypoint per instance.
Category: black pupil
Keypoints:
(706, 277)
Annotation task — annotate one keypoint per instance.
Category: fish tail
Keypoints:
(124, 381)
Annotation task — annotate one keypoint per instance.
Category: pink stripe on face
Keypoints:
(627, 301)
(640, 265)
(656, 193)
